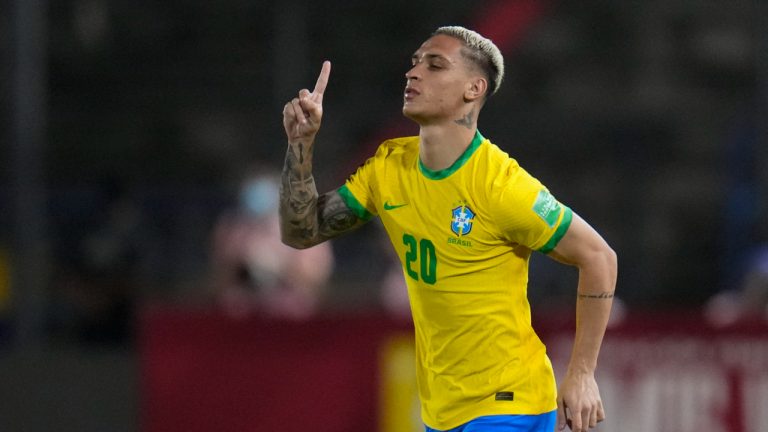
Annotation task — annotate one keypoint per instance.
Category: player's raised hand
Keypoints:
(302, 115)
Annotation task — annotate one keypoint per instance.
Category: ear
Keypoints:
(476, 89)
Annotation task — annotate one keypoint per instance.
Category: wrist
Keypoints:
(305, 141)
(581, 367)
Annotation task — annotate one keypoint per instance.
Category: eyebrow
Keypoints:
(416, 56)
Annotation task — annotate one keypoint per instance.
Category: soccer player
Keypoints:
(464, 219)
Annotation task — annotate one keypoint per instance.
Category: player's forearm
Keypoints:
(298, 197)
(597, 282)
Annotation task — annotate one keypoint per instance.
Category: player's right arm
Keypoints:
(307, 218)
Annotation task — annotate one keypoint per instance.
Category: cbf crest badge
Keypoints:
(461, 221)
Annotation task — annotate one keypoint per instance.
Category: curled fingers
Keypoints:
(298, 111)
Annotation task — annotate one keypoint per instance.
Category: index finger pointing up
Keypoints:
(322, 81)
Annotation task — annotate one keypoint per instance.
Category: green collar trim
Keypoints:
(443, 173)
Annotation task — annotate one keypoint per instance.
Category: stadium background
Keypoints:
(645, 117)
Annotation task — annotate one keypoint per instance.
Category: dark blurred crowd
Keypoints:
(645, 118)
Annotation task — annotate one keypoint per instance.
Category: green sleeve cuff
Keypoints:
(559, 232)
(353, 204)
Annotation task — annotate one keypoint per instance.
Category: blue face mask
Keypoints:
(259, 197)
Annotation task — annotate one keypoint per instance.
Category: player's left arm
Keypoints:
(578, 399)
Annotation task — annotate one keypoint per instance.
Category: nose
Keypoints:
(412, 73)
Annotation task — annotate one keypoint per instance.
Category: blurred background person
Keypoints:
(743, 290)
(252, 271)
(748, 301)
(96, 286)
(755, 285)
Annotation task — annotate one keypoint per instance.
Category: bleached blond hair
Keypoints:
(480, 51)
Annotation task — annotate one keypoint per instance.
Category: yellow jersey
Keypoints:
(464, 236)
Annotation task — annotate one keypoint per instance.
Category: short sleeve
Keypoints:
(526, 212)
(358, 191)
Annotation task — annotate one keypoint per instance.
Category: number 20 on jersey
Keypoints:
(420, 255)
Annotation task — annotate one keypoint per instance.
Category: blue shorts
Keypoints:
(507, 423)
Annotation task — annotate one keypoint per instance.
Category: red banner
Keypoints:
(203, 371)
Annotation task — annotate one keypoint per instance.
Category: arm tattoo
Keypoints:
(306, 218)
(298, 197)
(336, 218)
(468, 120)
(602, 295)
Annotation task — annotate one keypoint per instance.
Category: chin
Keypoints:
(410, 113)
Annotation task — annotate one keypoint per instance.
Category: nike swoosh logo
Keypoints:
(388, 206)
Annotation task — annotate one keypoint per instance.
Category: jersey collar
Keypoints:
(443, 173)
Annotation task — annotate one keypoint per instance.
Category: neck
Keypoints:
(441, 145)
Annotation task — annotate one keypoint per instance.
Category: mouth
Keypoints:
(410, 93)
